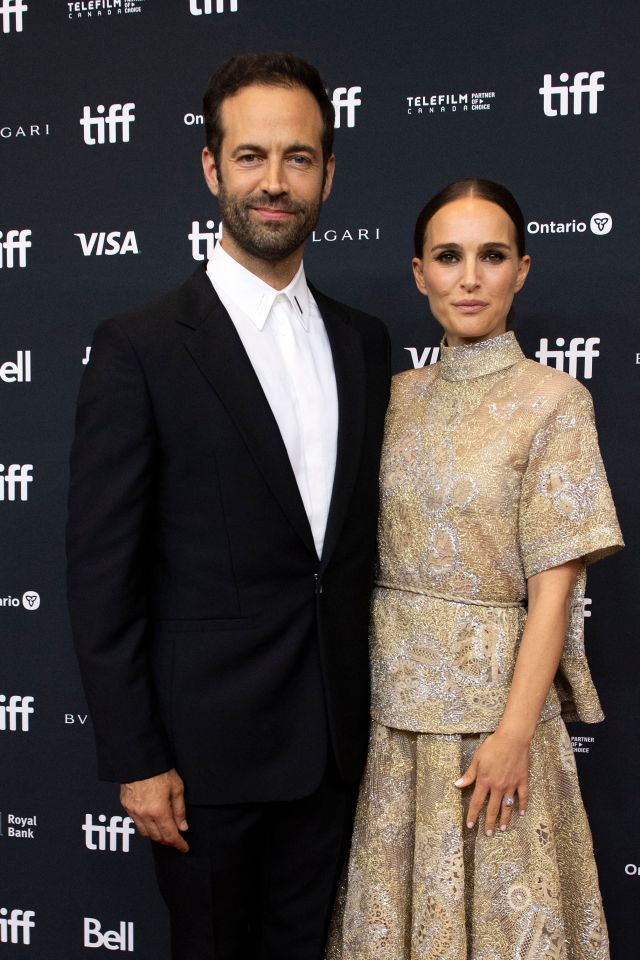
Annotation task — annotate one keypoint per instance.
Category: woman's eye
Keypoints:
(447, 256)
(494, 256)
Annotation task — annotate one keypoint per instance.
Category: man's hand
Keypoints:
(157, 808)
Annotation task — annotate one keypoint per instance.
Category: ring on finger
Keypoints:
(508, 801)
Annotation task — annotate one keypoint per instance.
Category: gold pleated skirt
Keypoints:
(421, 885)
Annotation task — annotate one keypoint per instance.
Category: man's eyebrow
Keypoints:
(291, 148)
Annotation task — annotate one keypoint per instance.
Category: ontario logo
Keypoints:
(599, 224)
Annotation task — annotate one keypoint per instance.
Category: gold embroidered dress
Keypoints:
(491, 473)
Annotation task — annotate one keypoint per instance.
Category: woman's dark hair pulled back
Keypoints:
(485, 190)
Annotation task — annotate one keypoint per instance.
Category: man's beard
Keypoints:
(272, 240)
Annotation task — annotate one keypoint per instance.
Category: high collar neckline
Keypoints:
(479, 359)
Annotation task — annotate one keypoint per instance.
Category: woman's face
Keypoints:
(470, 269)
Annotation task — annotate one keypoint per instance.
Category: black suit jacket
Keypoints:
(210, 636)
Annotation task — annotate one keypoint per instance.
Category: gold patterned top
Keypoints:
(490, 474)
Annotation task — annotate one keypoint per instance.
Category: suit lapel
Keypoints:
(348, 362)
(217, 349)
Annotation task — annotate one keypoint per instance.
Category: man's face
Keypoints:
(271, 179)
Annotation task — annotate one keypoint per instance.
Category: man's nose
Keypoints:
(273, 177)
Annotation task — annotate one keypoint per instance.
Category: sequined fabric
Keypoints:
(421, 886)
(490, 474)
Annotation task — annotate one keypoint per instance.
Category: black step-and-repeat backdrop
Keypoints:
(103, 205)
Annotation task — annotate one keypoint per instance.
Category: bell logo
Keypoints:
(198, 7)
(118, 120)
(346, 99)
(109, 244)
(601, 224)
(558, 96)
(12, 10)
(15, 242)
(121, 939)
(16, 927)
(18, 371)
(95, 834)
(18, 709)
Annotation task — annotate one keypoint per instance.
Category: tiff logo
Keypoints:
(207, 7)
(16, 478)
(346, 99)
(583, 83)
(96, 833)
(197, 236)
(18, 708)
(578, 349)
(121, 939)
(9, 9)
(15, 240)
(16, 927)
(120, 117)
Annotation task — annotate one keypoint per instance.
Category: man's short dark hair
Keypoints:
(269, 70)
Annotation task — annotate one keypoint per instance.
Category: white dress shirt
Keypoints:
(286, 341)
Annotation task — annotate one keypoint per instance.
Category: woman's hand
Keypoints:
(500, 769)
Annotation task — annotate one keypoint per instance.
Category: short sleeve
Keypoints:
(566, 509)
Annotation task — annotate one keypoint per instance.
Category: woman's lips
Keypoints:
(470, 306)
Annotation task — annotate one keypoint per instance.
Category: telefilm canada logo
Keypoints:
(198, 8)
(13, 248)
(600, 224)
(16, 925)
(101, 9)
(565, 97)
(15, 826)
(461, 101)
(111, 834)
(12, 15)
(108, 124)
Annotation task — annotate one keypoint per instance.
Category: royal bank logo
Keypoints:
(30, 600)
(564, 97)
(18, 827)
(24, 131)
(462, 101)
(345, 234)
(107, 125)
(116, 243)
(16, 925)
(345, 100)
(576, 358)
(101, 9)
(120, 939)
(203, 241)
(14, 481)
(13, 249)
(11, 15)
(18, 370)
(198, 8)
(420, 358)
(15, 712)
(111, 835)
(600, 224)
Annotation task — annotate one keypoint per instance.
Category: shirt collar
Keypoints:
(251, 294)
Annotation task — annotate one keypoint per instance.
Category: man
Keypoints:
(222, 525)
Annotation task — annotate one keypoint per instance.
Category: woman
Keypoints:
(471, 840)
